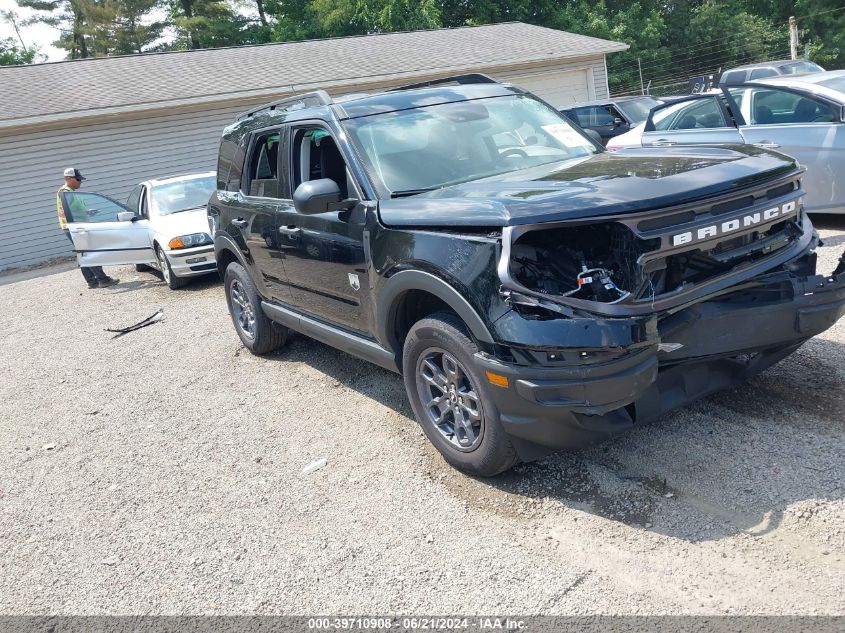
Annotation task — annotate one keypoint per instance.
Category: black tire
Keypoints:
(173, 282)
(266, 335)
(485, 451)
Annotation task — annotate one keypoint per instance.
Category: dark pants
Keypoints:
(92, 274)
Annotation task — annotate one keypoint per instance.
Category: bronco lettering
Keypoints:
(729, 226)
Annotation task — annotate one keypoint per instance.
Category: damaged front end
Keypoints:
(617, 320)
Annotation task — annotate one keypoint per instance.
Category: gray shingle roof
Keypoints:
(113, 84)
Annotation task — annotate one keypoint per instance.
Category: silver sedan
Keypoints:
(803, 116)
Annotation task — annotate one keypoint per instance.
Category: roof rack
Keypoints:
(472, 78)
(296, 102)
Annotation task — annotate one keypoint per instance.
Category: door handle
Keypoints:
(240, 223)
(292, 231)
(662, 142)
(767, 145)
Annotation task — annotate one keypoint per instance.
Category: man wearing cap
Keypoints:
(94, 275)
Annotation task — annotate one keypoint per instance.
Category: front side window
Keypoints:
(81, 206)
(690, 115)
(771, 106)
(181, 195)
(315, 155)
(435, 146)
(134, 199)
(594, 116)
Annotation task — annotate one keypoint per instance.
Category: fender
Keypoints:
(222, 242)
(406, 280)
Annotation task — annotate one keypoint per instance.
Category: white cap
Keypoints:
(72, 172)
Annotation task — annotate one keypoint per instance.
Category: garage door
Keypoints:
(560, 88)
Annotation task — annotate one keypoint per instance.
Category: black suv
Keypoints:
(534, 291)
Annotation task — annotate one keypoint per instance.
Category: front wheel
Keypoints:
(450, 400)
(173, 282)
(259, 334)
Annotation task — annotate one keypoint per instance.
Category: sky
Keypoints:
(38, 35)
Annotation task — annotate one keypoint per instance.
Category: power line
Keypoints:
(812, 15)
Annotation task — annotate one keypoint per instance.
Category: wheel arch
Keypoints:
(413, 294)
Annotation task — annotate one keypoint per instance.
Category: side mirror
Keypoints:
(595, 136)
(317, 196)
(126, 216)
(842, 114)
(617, 122)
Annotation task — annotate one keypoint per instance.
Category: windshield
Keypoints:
(638, 109)
(434, 146)
(182, 195)
(800, 67)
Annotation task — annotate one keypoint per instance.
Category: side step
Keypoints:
(342, 340)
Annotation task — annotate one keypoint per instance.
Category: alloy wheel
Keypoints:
(242, 309)
(450, 400)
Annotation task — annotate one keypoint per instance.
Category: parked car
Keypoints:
(163, 224)
(803, 116)
(611, 117)
(741, 74)
(534, 296)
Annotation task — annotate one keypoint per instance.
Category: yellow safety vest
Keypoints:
(60, 208)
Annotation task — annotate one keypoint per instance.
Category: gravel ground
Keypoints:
(161, 473)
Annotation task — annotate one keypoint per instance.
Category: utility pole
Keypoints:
(640, 66)
(793, 37)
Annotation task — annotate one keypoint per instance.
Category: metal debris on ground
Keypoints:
(154, 318)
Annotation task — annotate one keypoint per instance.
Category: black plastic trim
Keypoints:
(406, 280)
(340, 339)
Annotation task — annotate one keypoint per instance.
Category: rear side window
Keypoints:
(262, 174)
(759, 73)
(735, 77)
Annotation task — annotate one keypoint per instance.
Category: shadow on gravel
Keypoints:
(731, 463)
(150, 280)
(829, 221)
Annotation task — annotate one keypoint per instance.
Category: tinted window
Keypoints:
(773, 106)
(594, 116)
(90, 207)
(734, 77)
(800, 67)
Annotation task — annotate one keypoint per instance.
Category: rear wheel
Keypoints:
(173, 282)
(259, 334)
(450, 400)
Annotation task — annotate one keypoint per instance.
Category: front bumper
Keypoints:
(664, 364)
(188, 262)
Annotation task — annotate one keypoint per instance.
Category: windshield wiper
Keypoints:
(409, 192)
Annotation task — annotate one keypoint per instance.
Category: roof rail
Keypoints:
(472, 78)
(295, 102)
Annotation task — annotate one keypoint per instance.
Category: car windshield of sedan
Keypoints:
(429, 147)
(182, 195)
(638, 109)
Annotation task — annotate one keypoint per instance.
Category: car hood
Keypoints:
(609, 183)
(182, 223)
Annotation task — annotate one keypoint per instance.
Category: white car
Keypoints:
(799, 115)
(163, 224)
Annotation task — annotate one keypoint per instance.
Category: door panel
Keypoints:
(820, 147)
(694, 121)
(99, 238)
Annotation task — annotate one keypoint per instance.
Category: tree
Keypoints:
(13, 55)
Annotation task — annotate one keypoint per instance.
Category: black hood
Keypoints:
(608, 183)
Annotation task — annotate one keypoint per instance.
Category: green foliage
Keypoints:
(670, 41)
(13, 55)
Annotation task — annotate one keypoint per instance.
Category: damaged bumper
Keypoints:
(583, 380)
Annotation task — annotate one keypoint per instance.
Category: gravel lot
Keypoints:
(174, 483)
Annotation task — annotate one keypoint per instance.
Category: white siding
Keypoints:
(564, 83)
(114, 155)
(117, 152)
